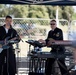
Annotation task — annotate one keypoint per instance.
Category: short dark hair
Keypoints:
(53, 20)
(8, 17)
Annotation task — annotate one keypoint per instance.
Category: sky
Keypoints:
(74, 8)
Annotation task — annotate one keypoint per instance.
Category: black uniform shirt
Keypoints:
(57, 34)
(11, 34)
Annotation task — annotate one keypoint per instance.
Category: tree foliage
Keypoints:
(36, 11)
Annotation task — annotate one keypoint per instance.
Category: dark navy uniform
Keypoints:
(7, 56)
(56, 34)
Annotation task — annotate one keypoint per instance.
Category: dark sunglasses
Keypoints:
(52, 24)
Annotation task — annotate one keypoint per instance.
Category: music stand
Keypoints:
(34, 61)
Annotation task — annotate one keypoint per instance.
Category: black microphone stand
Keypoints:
(7, 55)
(7, 61)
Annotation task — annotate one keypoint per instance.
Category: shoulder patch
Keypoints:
(57, 35)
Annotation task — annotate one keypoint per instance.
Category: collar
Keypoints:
(54, 29)
(5, 27)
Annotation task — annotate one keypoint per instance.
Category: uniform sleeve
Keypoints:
(47, 37)
(59, 35)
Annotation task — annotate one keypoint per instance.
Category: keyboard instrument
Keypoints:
(49, 55)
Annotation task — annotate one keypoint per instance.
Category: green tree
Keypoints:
(3, 10)
(50, 11)
(37, 12)
(67, 12)
(20, 11)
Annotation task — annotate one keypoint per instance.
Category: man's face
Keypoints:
(8, 21)
(53, 24)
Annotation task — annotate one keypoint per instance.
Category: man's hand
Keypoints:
(42, 41)
(51, 42)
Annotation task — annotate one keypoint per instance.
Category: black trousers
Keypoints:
(7, 62)
(49, 65)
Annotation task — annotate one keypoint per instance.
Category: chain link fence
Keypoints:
(34, 29)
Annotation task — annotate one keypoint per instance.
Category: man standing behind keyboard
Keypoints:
(56, 34)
